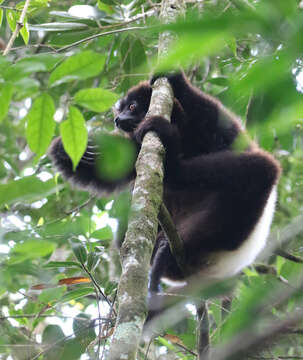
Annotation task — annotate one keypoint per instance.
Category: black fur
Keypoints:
(217, 181)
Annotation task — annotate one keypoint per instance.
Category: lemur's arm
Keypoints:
(87, 175)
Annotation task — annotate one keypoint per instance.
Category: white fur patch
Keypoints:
(228, 263)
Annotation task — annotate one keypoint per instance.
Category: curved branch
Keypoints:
(173, 238)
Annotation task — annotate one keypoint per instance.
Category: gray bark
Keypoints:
(143, 221)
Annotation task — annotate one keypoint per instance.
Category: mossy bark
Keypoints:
(142, 230)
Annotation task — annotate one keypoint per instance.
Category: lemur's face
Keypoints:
(131, 110)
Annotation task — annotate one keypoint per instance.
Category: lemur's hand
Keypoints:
(173, 77)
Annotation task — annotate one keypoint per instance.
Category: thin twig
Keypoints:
(98, 287)
(276, 357)
(9, 8)
(203, 332)
(135, 18)
(19, 26)
(289, 256)
(99, 35)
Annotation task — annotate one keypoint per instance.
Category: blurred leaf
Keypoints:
(51, 295)
(69, 37)
(40, 124)
(103, 234)
(52, 334)
(85, 11)
(80, 252)
(232, 44)
(1, 16)
(252, 299)
(60, 347)
(77, 67)
(25, 31)
(61, 264)
(34, 5)
(105, 7)
(58, 26)
(221, 81)
(83, 328)
(118, 156)
(108, 2)
(27, 189)
(197, 46)
(110, 287)
(132, 57)
(74, 135)
(4, 64)
(76, 294)
(11, 18)
(97, 99)
(6, 92)
(32, 249)
(26, 88)
(40, 62)
(93, 260)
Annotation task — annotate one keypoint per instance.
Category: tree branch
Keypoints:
(203, 332)
(174, 240)
(241, 345)
(282, 236)
(143, 220)
(289, 256)
(19, 26)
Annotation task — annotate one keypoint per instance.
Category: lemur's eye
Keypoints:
(132, 107)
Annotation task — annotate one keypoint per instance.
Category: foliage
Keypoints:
(58, 279)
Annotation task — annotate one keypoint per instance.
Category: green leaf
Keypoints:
(52, 334)
(27, 189)
(220, 80)
(27, 87)
(108, 2)
(80, 252)
(105, 7)
(35, 248)
(103, 234)
(1, 16)
(82, 328)
(61, 264)
(96, 99)
(110, 287)
(40, 124)
(6, 92)
(39, 62)
(51, 295)
(11, 18)
(117, 158)
(4, 64)
(33, 6)
(74, 135)
(25, 32)
(232, 44)
(78, 67)
(21, 70)
(191, 48)
(132, 57)
(93, 260)
(76, 294)
(69, 37)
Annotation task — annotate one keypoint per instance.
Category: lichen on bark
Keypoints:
(143, 220)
